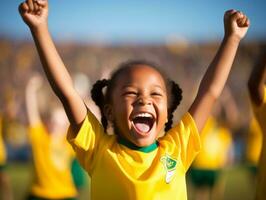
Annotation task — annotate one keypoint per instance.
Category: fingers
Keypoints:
(229, 13)
(238, 17)
(32, 6)
(42, 3)
(247, 22)
(35, 5)
(242, 20)
(23, 8)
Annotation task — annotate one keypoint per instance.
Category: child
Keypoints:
(52, 155)
(253, 146)
(5, 184)
(257, 93)
(139, 100)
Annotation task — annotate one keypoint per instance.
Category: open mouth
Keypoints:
(143, 122)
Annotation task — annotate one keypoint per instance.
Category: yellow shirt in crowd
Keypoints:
(52, 165)
(2, 147)
(260, 115)
(254, 142)
(216, 143)
(119, 172)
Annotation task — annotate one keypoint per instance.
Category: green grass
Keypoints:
(238, 183)
(20, 177)
(234, 183)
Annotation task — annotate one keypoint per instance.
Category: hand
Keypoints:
(34, 12)
(235, 24)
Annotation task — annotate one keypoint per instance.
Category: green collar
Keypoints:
(132, 146)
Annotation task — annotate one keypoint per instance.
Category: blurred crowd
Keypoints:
(184, 62)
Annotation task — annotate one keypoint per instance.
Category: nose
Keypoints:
(143, 100)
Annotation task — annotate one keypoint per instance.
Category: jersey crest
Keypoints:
(169, 166)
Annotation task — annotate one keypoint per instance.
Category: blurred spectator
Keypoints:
(257, 92)
(5, 185)
(52, 155)
(216, 152)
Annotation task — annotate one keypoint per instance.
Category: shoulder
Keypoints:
(182, 132)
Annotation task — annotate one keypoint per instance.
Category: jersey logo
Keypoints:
(169, 166)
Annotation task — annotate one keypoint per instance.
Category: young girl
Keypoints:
(257, 93)
(139, 100)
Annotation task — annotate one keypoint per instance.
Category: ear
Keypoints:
(108, 112)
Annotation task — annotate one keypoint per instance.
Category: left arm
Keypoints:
(236, 25)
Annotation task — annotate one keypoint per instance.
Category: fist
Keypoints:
(34, 12)
(235, 24)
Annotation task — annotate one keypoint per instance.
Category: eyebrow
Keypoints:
(156, 86)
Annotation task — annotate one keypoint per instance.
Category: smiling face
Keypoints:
(138, 107)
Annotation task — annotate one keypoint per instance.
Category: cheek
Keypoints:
(164, 115)
(122, 109)
(162, 109)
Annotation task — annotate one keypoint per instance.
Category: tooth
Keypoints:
(144, 115)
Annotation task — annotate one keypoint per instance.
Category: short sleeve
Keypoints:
(86, 141)
(184, 140)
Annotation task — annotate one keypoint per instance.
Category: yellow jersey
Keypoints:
(52, 165)
(2, 147)
(216, 144)
(254, 142)
(260, 113)
(120, 172)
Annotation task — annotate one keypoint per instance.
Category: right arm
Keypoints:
(35, 14)
(257, 80)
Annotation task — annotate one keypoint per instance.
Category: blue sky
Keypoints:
(138, 20)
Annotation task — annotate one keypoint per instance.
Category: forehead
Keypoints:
(143, 74)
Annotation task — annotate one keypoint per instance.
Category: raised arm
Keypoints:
(257, 79)
(35, 14)
(236, 25)
(32, 87)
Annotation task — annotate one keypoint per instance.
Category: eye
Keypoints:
(156, 94)
(130, 93)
